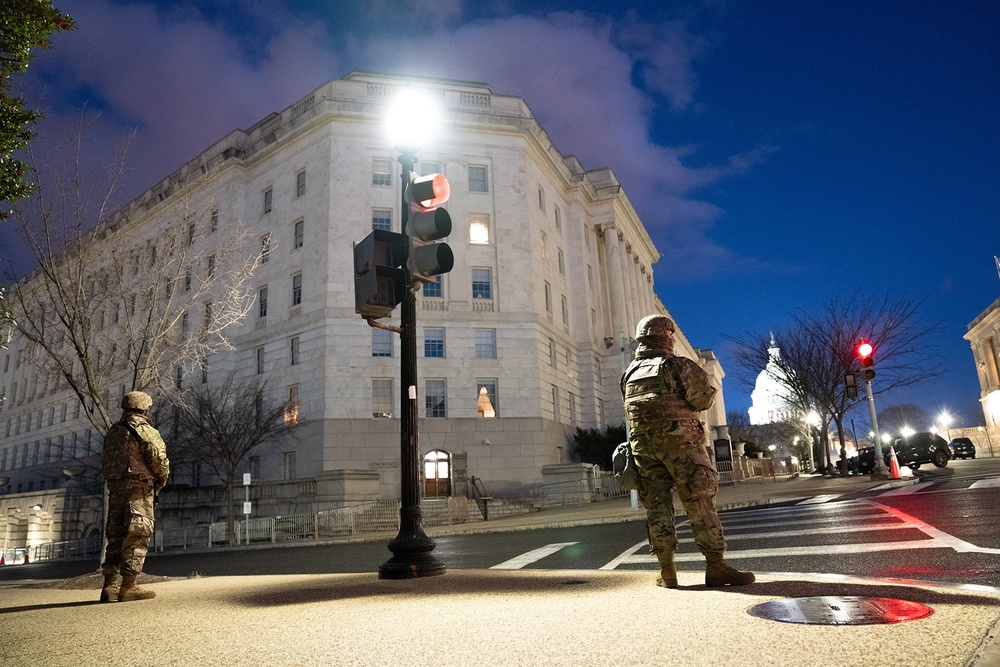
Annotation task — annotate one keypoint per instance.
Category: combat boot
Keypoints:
(129, 591)
(109, 593)
(667, 578)
(718, 573)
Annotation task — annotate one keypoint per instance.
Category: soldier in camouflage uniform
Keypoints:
(135, 469)
(663, 395)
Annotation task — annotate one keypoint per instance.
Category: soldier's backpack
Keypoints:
(624, 468)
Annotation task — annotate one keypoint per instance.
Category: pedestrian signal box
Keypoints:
(379, 282)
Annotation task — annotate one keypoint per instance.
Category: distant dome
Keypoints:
(767, 406)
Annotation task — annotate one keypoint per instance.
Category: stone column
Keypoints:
(616, 291)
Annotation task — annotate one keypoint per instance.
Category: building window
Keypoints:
(381, 343)
(204, 370)
(288, 465)
(382, 219)
(479, 228)
(477, 179)
(556, 416)
(558, 218)
(572, 408)
(435, 398)
(265, 248)
(268, 196)
(553, 358)
(548, 298)
(294, 350)
(211, 265)
(184, 323)
(187, 279)
(382, 397)
(190, 236)
(292, 407)
(254, 467)
(590, 277)
(208, 315)
(298, 234)
(297, 289)
(482, 287)
(428, 168)
(381, 172)
(434, 289)
(434, 342)
(562, 262)
(262, 302)
(565, 309)
(486, 398)
(486, 344)
(178, 377)
(213, 221)
(300, 183)
(260, 361)
(541, 199)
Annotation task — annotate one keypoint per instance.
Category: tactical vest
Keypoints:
(123, 456)
(653, 397)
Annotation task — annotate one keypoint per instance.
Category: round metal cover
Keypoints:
(837, 610)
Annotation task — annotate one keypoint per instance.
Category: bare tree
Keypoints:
(818, 349)
(219, 424)
(120, 300)
(897, 417)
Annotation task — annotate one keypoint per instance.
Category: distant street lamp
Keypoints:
(945, 420)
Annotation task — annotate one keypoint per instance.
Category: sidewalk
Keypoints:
(499, 617)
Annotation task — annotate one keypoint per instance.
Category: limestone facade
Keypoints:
(553, 269)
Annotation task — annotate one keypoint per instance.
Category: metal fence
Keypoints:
(373, 518)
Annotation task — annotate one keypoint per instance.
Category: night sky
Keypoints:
(779, 153)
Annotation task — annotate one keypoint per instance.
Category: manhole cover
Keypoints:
(835, 610)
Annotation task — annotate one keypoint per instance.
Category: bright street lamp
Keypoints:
(412, 120)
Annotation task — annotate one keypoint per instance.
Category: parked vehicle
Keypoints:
(962, 448)
(923, 447)
(913, 451)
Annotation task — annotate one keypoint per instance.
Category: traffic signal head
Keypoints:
(866, 353)
(379, 282)
(426, 223)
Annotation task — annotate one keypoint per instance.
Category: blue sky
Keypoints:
(778, 152)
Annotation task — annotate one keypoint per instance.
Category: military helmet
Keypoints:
(136, 400)
(654, 326)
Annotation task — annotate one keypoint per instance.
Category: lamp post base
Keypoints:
(411, 559)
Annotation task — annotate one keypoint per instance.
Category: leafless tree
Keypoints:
(220, 423)
(897, 417)
(818, 349)
(119, 300)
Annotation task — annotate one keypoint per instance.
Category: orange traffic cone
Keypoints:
(2, 552)
(893, 464)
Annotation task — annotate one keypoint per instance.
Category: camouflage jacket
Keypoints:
(659, 390)
(144, 457)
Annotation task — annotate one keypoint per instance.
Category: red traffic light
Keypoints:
(865, 350)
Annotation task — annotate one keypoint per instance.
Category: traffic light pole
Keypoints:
(880, 471)
(411, 548)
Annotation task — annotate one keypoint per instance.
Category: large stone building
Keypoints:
(984, 337)
(552, 267)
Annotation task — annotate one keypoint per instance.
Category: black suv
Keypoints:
(962, 448)
(920, 448)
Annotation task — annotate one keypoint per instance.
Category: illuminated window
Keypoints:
(292, 407)
(479, 228)
(486, 400)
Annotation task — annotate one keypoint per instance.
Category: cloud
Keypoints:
(184, 80)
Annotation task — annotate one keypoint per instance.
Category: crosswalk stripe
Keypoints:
(988, 483)
(532, 556)
(825, 498)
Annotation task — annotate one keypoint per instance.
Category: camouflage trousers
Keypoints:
(676, 457)
(129, 525)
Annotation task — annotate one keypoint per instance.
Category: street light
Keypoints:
(412, 120)
(945, 419)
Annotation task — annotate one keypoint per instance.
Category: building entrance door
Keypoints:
(437, 474)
